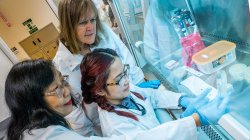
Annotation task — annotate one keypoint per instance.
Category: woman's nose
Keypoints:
(66, 92)
(89, 25)
(126, 79)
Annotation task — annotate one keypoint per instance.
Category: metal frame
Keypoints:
(53, 6)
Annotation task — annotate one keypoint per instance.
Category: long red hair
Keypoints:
(95, 71)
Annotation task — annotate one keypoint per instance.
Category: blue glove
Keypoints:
(186, 100)
(150, 84)
(191, 104)
(213, 111)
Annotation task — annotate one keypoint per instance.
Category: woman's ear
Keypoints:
(100, 92)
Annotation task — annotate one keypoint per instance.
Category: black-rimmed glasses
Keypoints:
(122, 78)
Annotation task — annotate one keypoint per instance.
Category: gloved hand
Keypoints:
(150, 84)
(186, 100)
(213, 110)
(192, 103)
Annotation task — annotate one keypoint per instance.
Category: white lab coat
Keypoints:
(69, 64)
(162, 132)
(160, 38)
(57, 132)
(113, 124)
(182, 129)
(76, 120)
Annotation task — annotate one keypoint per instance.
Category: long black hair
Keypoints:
(24, 90)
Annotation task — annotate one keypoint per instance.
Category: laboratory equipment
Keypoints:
(215, 56)
(190, 38)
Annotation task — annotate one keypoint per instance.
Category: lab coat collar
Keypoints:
(76, 118)
(66, 58)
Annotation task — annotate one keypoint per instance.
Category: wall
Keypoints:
(7, 60)
(18, 11)
(6, 65)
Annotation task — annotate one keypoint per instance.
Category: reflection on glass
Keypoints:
(132, 12)
(239, 104)
(223, 19)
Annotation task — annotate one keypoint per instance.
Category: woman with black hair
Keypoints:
(37, 96)
(41, 104)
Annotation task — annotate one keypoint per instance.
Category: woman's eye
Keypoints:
(120, 77)
(83, 22)
(92, 20)
(55, 89)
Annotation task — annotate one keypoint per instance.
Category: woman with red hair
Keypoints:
(105, 81)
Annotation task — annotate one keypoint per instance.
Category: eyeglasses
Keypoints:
(60, 89)
(85, 22)
(122, 78)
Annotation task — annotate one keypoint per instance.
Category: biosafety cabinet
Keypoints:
(191, 45)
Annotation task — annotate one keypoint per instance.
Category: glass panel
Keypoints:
(229, 20)
(131, 20)
(239, 107)
(162, 41)
(223, 19)
(133, 16)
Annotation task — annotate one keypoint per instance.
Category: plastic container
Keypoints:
(215, 56)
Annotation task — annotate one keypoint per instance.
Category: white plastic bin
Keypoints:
(215, 56)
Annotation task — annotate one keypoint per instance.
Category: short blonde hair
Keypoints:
(70, 12)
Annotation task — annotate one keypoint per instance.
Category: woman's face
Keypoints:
(86, 29)
(117, 83)
(58, 96)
